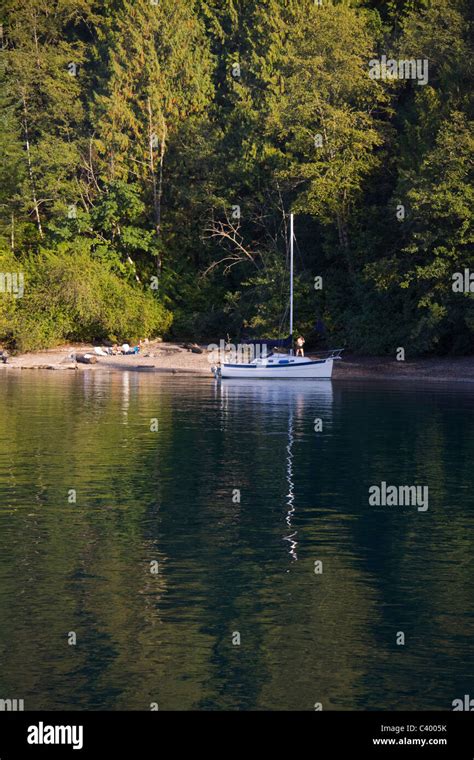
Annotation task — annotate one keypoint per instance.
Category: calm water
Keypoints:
(224, 565)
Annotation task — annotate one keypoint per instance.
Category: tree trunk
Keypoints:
(344, 242)
(159, 196)
(30, 167)
(157, 183)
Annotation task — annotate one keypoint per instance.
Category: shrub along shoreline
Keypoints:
(69, 295)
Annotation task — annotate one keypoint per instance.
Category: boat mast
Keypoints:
(291, 281)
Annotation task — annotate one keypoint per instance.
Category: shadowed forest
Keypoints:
(150, 152)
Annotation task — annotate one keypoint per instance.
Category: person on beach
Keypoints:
(300, 341)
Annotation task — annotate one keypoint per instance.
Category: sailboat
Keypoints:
(281, 366)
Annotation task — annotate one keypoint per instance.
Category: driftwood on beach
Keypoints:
(85, 358)
(193, 347)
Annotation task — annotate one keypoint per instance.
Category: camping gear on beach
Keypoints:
(127, 350)
(281, 366)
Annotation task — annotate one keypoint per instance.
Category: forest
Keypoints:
(151, 151)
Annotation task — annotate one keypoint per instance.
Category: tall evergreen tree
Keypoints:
(43, 53)
(158, 77)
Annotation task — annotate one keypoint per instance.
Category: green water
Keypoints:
(228, 566)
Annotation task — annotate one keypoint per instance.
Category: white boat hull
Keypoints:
(264, 370)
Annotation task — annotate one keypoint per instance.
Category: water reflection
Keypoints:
(291, 490)
(227, 566)
(300, 399)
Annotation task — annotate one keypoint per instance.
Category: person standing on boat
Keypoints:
(300, 345)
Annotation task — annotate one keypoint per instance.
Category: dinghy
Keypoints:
(281, 366)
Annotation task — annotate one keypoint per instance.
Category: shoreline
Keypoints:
(174, 359)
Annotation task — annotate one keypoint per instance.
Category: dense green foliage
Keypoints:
(150, 152)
